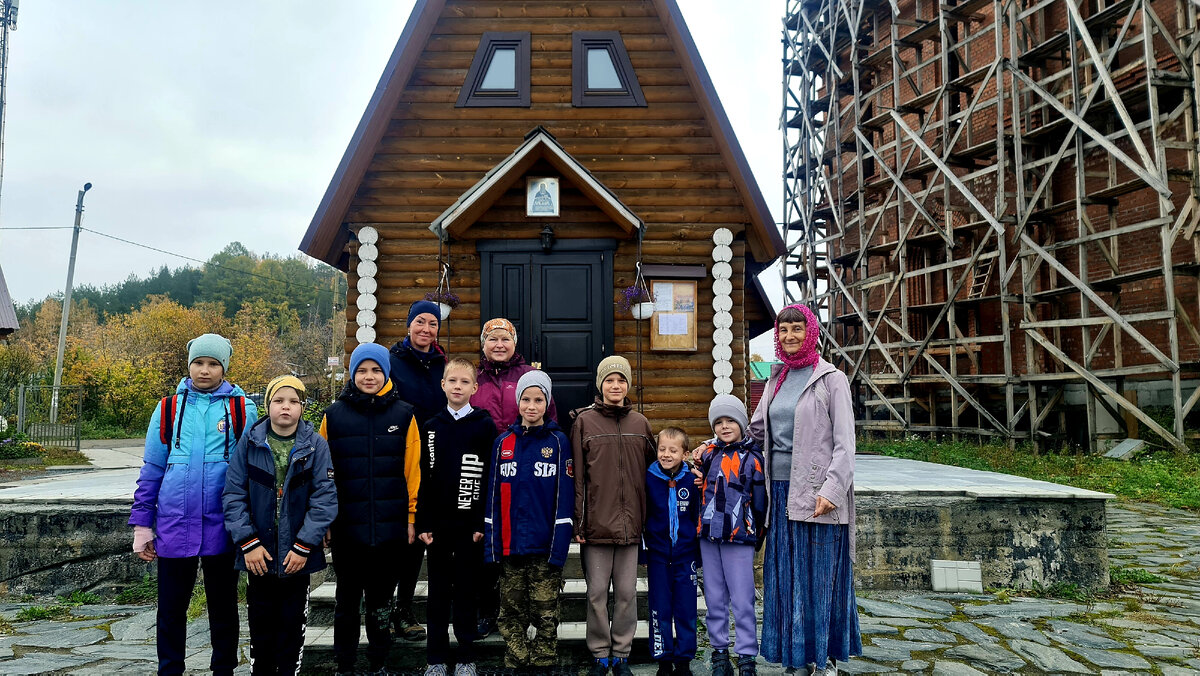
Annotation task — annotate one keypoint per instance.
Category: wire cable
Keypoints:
(205, 263)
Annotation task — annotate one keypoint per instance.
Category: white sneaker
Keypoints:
(465, 669)
(435, 670)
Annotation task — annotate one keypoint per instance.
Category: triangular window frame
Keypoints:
(582, 96)
(473, 95)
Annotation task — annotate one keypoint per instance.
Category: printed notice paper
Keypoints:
(664, 296)
(672, 324)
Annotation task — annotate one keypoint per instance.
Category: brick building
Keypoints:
(993, 205)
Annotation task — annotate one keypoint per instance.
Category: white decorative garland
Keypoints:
(722, 305)
(368, 252)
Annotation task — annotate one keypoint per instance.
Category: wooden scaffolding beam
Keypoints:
(992, 206)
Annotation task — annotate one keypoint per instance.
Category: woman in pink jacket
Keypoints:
(499, 370)
(805, 423)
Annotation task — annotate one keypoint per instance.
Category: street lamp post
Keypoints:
(66, 315)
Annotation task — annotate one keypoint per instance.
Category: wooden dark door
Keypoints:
(561, 304)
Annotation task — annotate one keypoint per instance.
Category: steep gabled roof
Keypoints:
(539, 144)
(325, 237)
(8, 313)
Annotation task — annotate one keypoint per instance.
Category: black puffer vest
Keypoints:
(367, 435)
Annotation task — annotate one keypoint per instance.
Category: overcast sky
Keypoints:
(201, 123)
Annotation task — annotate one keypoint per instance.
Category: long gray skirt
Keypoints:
(809, 611)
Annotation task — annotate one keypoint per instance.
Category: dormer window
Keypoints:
(601, 74)
(499, 74)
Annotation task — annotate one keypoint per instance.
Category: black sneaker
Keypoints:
(485, 628)
(721, 666)
(664, 669)
(746, 666)
(620, 667)
(599, 668)
(405, 622)
(682, 669)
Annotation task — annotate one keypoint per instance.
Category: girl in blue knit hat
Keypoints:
(375, 445)
(177, 517)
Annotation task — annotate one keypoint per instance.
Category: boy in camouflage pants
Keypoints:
(528, 525)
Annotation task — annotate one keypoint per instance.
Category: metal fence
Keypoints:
(37, 417)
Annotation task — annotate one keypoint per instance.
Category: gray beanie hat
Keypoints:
(728, 406)
(210, 345)
(537, 379)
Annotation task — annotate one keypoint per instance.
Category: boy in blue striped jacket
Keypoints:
(528, 525)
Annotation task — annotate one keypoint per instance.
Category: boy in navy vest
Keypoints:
(454, 470)
(375, 446)
(672, 553)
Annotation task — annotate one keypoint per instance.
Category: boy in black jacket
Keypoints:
(279, 500)
(450, 506)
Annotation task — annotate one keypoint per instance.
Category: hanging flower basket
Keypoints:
(446, 301)
(637, 300)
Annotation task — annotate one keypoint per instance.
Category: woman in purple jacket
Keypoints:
(177, 516)
(805, 423)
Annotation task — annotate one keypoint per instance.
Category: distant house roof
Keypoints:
(761, 370)
(325, 236)
(539, 144)
(8, 312)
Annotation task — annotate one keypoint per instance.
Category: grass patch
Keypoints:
(1126, 576)
(1162, 476)
(93, 430)
(197, 603)
(56, 455)
(80, 598)
(35, 613)
(5, 627)
(145, 591)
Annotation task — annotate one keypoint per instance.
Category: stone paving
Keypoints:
(1151, 629)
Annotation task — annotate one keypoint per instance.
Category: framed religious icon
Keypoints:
(541, 196)
(673, 324)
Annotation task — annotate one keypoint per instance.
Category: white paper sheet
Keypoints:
(672, 324)
(664, 296)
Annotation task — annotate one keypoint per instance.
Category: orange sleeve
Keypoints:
(412, 467)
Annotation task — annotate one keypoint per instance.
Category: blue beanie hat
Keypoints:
(421, 307)
(374, 352)
(210, 345)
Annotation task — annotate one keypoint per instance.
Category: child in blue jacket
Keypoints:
(672, 553)
(279, 500)
(177, 517)
(528, 525)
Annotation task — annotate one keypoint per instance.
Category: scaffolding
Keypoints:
(992, 207)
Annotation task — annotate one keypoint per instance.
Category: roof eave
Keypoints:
(321, 239)
(766, 244)
(539, 144)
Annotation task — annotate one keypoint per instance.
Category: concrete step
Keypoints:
(572, 568)
(572, 649)
(572, 601)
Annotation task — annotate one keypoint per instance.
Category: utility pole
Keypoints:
(8, 21)
(62, 329)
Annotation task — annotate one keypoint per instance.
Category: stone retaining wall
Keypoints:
(1018, 541)
(59, 548)
(55, 549)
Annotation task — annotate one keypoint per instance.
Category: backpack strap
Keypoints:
(237, 410)
(166, 419)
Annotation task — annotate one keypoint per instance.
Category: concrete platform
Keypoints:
(909, 512)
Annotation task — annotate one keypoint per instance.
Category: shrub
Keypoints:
(19, 446)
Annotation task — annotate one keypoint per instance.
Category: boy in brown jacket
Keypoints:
(613, 446)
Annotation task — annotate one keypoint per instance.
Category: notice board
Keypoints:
(673, 324)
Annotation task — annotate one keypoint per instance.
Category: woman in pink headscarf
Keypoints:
(805, 424)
